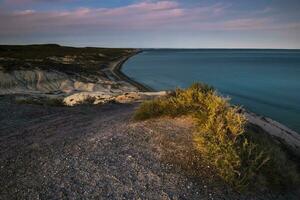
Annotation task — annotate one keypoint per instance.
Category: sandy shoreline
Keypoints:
(116, 71)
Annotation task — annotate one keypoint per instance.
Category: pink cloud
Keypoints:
(133, 16)
(161, 15)
(247, 24)
(33, 1)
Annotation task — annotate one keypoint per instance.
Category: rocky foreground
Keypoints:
(99, 152)
(86, 145)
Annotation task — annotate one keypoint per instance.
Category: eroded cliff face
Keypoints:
(33, 81)
(54, 69)
(39, 81)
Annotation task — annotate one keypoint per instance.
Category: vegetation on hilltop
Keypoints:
(46, 50)
(240, 156)
(84, 61)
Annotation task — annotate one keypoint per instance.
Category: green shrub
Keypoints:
(280, 172)
(181, 102)
(219, 127)
(148, 109)
(220, 136)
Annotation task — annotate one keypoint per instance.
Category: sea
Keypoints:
(264, 81)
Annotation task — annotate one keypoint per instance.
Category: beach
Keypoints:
(116, 70)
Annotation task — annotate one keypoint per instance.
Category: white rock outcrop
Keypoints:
(104, 97)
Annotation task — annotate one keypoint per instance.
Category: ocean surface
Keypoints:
(266, 82)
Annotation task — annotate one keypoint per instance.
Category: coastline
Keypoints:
(280, 132)
(117, 73)
(70, 139)
(48, 83)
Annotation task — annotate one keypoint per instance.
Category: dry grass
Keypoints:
(221, 140)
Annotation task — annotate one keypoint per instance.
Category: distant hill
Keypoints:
(48, 68)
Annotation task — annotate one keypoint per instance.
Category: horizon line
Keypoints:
(154, 48)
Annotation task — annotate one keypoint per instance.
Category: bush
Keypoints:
(220, 135)
(181, 102)
(218, 129)
(280, 172)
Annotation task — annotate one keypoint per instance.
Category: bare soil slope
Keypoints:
(54, 69)
(99, 152)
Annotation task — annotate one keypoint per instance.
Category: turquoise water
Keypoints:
(266, 82)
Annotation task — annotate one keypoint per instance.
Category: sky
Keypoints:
(152, 23)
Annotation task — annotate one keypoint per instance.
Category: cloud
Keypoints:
(145, 15)
(246, 24)
(34, 1)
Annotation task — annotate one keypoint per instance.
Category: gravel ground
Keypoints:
(99, 152)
